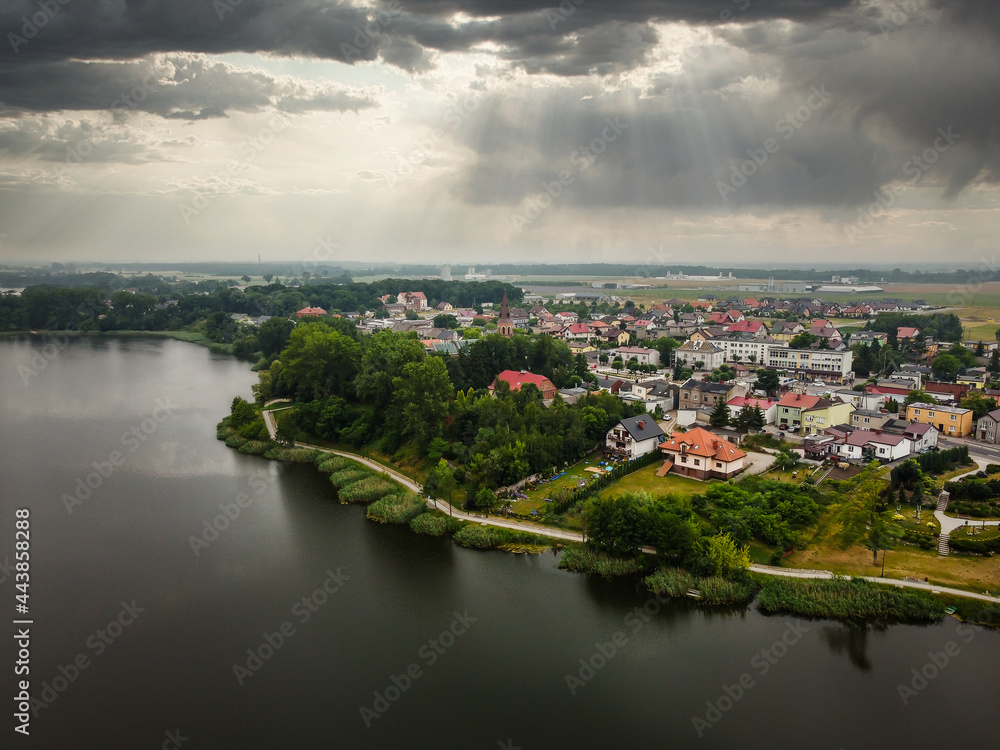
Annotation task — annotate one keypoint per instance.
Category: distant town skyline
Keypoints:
(813, 133)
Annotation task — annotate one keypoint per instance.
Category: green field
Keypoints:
(646, 479)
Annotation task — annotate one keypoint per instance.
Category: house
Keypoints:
(953, 421)
(580, 347)
(791, 406)
(786, 330)
(988, 427)
(614, 337)
(633, 437)
(578, 332)
(310, 312)
(861, 400)
(865, 444)
(973, 381)
(921, 436)
(818, 447)
(701, 454)
(753, 327)
(706, 352)
(656, 393)
(415, 301)
(445, 306)
(868, 338)
(870, 419)
(643, 356)
(696, 393)
(826, 412)
(906, 333)
(769, 407)
(516, 379)
(519, 317)
(614, 386)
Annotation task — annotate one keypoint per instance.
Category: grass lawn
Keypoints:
(646, 479)
(537, 497)
(785, 475)
(911, 523)
(825, 552)
(949, 475)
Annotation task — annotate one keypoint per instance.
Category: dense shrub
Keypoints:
(432, 524)
(398, 509)
(495, 537)
(235, 441)
(367, 490)
(254, 447)
(329, 464)
(584, 559)
(348, 475)
(714, 589)
(295, 455)
(842, 598)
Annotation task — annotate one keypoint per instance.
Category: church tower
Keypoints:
(505, 326)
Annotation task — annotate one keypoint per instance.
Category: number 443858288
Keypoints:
(22, 544)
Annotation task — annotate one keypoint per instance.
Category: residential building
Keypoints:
(642, 355)
(416, 301)
(865, 444)
(633, 437)
(701, 454)
(786, 330)
(746, 348)
(829, 366)
(697, 393)
(791, 406)
(310, 312)
(951, 391)
(706, 352)
(580, 347)
(988, 427)
(767, 406)
(921, 436)
(869, 337)
(516, 379)
(656, 393)
(825, 413)
(973, 381)
(870, 419)
(952, 421)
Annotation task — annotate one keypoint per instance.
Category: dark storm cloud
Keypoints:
(402, 32)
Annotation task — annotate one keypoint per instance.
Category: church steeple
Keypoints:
(505, 326)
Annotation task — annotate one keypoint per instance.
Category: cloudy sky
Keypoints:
(647, 131)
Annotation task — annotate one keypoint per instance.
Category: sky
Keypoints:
(654, 132)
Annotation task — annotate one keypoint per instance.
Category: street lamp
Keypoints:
(883, 563)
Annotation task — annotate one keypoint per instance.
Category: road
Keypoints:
(575, 536)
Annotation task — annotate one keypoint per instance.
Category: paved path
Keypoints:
(575, 536)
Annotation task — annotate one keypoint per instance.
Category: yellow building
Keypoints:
(975, 381)
(826, 414)
(949, 420)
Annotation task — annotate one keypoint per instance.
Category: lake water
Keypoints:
(135, 636)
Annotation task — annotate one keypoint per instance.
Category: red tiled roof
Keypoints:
(516, 379)
(701, 442)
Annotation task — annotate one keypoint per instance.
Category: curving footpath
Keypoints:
(575, 536)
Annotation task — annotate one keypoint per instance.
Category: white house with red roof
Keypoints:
(754, 327)
(578, 332)
(769, 407)
(702, 454)
(881, 445)
(415, 301)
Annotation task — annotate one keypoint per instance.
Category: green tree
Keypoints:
(385, 355)
(727, 556)
(918, 396)
(273, 335)
(720, 414)
(320, 362)
(602, 358)
(979, 404)
(865, 513)
(785, 460)
(421, 398)
(946, 366)
(441, 482)
(768, 380)
(617, 364)
(446, 320)
(803, 340)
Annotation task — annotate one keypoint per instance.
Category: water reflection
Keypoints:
(851, 639)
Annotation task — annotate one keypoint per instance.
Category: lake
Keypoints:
(185, 595)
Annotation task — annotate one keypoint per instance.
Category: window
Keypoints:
(916, 411)
(930, 414)
(952, 417)
(697, 462)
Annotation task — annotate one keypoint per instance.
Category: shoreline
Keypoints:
(189, 337)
